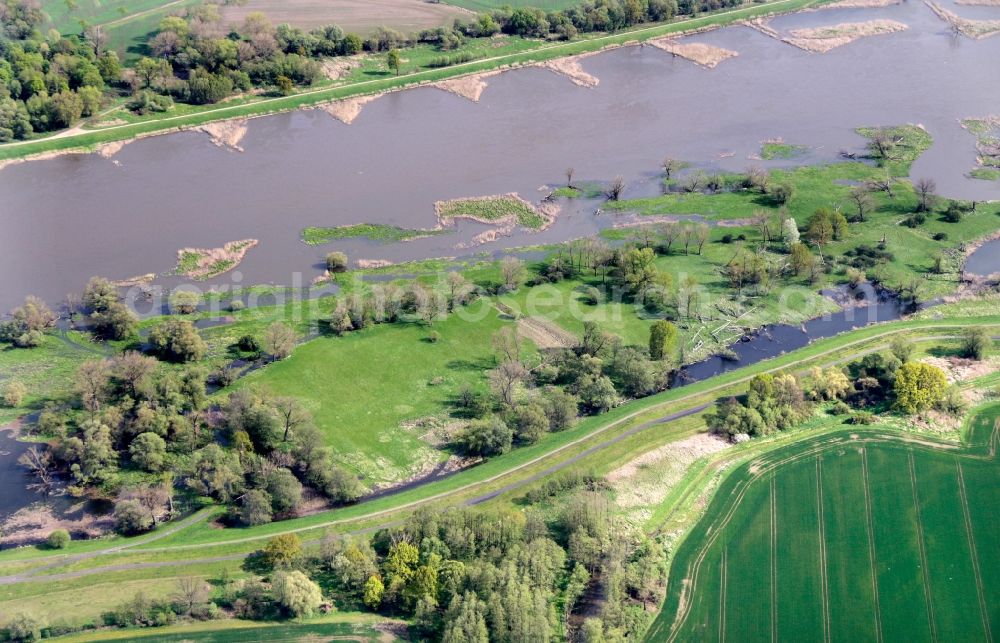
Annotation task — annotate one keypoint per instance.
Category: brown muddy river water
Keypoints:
(65, 219)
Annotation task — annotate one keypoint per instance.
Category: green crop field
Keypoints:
(863, 536)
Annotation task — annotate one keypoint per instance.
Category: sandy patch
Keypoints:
(823, 39)
(488, 236)
(960, 369)
(697, 52)
(107, 150)
(471, 87)
(373, 263)
(226, 134)
(348, 109)
(544, 333)
(140, 280)
(570, 67)
(646, 481)
(337, 68)
(975, 29)
(203, 263)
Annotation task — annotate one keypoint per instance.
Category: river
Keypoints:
(73, 216)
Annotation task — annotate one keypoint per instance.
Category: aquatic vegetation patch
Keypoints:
(498, 209)
(777, 149)
(987, 133)
(823, 39)
(205, 263)
(318, 235)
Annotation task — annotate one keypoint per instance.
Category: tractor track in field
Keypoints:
(872, 557)
(774, 561)
(980, 593)
(823, 575)
(924, 570)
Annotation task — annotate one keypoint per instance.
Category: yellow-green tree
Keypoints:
(919, 386)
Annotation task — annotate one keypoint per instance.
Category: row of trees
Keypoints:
(881, 380)
(47, 82)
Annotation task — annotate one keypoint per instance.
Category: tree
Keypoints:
(148, 451)
(279, 340)
(638, 269)
(336, 262)
(918, 387)
(512, 271)
(976, 343)
(131, 518)
(298, 595)
(561, 408)
(790, 232)
(293, 415)
(670, 165)
(92, 383)
(25, 627)
(782, 193)
(466, 619)
(861, 197)
(116, 322)
(490, 436)
(283, 551)
(285, 490)
(458, 290)
(192, 593)
(255, 508)
(27, 324)
(530, 422)
(801, 260)
(505, 378)
(177, 340)
(374, 590)
(569, 177)
(58, 539)
(925, 189)
(901, 348)
(285, 85)
(394, 60)
(662, 340)
(152, 70)
(598, 394)
(614, 191)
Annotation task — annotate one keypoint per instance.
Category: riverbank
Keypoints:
(85, 141)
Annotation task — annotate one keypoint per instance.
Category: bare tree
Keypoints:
(862, 199)
(512, 270)
(569, 177)
(760, 221)
(925, 191)
(507, 345)
(192, 592)
(616, 188)
(882, 145)
(758, 178)
(687, 235)
(92, 382)
(292, 413)
(505, 378)
(279, 340)
(458, 289)
(701, 234)
(670, 166)
(670, 230)
(41, 467)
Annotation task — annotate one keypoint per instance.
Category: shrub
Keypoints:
(184, 302)
(248, 344)
(433, 337)
(177, 340)
(148, 451)
(940, 236)
(255, 508)
(976, 343)
(336, 262)
(14, 394)
(236, 305)
(58, 539)
(131, 518)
